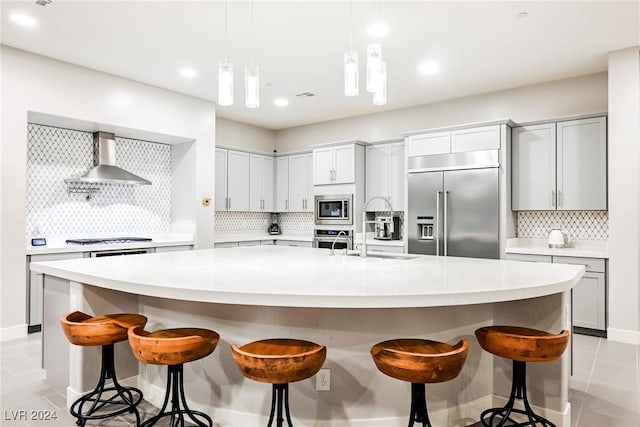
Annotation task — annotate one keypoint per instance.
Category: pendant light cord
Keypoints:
(351, 25)
(251, 41)
(225, 29)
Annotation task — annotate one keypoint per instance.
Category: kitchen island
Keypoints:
(347, 303)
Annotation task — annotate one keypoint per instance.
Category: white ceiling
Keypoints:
(481, 46)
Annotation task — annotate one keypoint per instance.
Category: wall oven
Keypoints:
(337, 239)
(334, 209)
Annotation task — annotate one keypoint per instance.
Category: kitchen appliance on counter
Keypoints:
(274, 228)
(333, 209)
(387, 228)
(559, 239)
(333, 239)
(454, 205)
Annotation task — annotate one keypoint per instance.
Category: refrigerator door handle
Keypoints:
(446, 200)
(438, 223)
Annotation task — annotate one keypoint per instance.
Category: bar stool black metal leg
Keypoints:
(419, 412)
(107, 401)
(175, 393)
(280, 399)
(518, 392)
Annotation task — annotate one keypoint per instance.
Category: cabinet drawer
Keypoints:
(591, 264)
(475, 139)
(527, 257)
(249, 243)
(266, 242)
(295, 243)
(385, 248)
(226, 245)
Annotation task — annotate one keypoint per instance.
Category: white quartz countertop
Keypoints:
(579, 248)
(246, 236)
(305, 277)
(58, 245)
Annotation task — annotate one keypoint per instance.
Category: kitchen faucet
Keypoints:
(334, 242)
(363, 249)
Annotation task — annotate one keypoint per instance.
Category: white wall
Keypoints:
(35, 86)
(624, 195)
(242, 135)
(587, 94)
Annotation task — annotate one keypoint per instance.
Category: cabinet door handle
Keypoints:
(226, 203)
(560, 199)
(286, 204)
(229, 202)
(553, 198)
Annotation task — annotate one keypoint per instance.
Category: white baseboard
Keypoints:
(623, 335)
(560, 419)
(13, 332)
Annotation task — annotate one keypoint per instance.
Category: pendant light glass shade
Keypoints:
(225, 82)
(374, 66)
(252, 86)
(351, 73)
(380, 95)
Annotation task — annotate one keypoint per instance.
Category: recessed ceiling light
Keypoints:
(522, 15)
(188, 73)
(281, 102)
(430, 67)
(378, 29)
(24, 20)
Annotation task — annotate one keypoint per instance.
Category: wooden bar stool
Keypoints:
(106, 330)
(419, 362)
(279, 362)
(521, 345)
(174, 347)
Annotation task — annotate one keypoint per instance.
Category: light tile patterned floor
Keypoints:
(605, 386)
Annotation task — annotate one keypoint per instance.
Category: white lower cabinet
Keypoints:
(35, 285)
(589, 296)
(385, 248)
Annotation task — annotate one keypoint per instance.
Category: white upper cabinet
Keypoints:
(261, 183)
(582, 164)
(301, 183)
(560, 166)
(455, 141)
(428, 144)
(334, 165)
(237, 181)
(282, 184)
(385, 175)
(220, 197)
(534, 167)
(475, 139)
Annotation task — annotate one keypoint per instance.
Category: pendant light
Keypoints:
(252, 77)
(225, 71)
(380, 94)
(374, 66)
(351, 61)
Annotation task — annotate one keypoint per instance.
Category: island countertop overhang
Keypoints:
(301, 277)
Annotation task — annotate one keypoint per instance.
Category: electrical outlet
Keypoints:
(323, 380)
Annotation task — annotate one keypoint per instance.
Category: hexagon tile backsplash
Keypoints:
(54, 154)
(581, 225)
(239, 221)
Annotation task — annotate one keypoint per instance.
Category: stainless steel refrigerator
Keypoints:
(454, 213)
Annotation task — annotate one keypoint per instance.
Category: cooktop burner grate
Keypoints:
(108, 240)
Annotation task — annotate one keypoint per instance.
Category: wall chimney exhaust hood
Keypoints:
(104, 169)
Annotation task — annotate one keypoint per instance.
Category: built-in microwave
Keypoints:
(334, 209)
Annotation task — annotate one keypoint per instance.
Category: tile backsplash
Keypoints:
(581, 225)
(54, 154)
(240, 221)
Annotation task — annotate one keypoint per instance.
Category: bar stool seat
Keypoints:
(279, 361)
(174, 348)
(420, 361)
(104, 330)
(521, 345)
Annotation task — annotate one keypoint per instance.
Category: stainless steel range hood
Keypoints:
(105, 170)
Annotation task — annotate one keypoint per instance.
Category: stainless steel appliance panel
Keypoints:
(471, 224)
(425, 196)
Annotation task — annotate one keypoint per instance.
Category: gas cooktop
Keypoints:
(107, 240)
